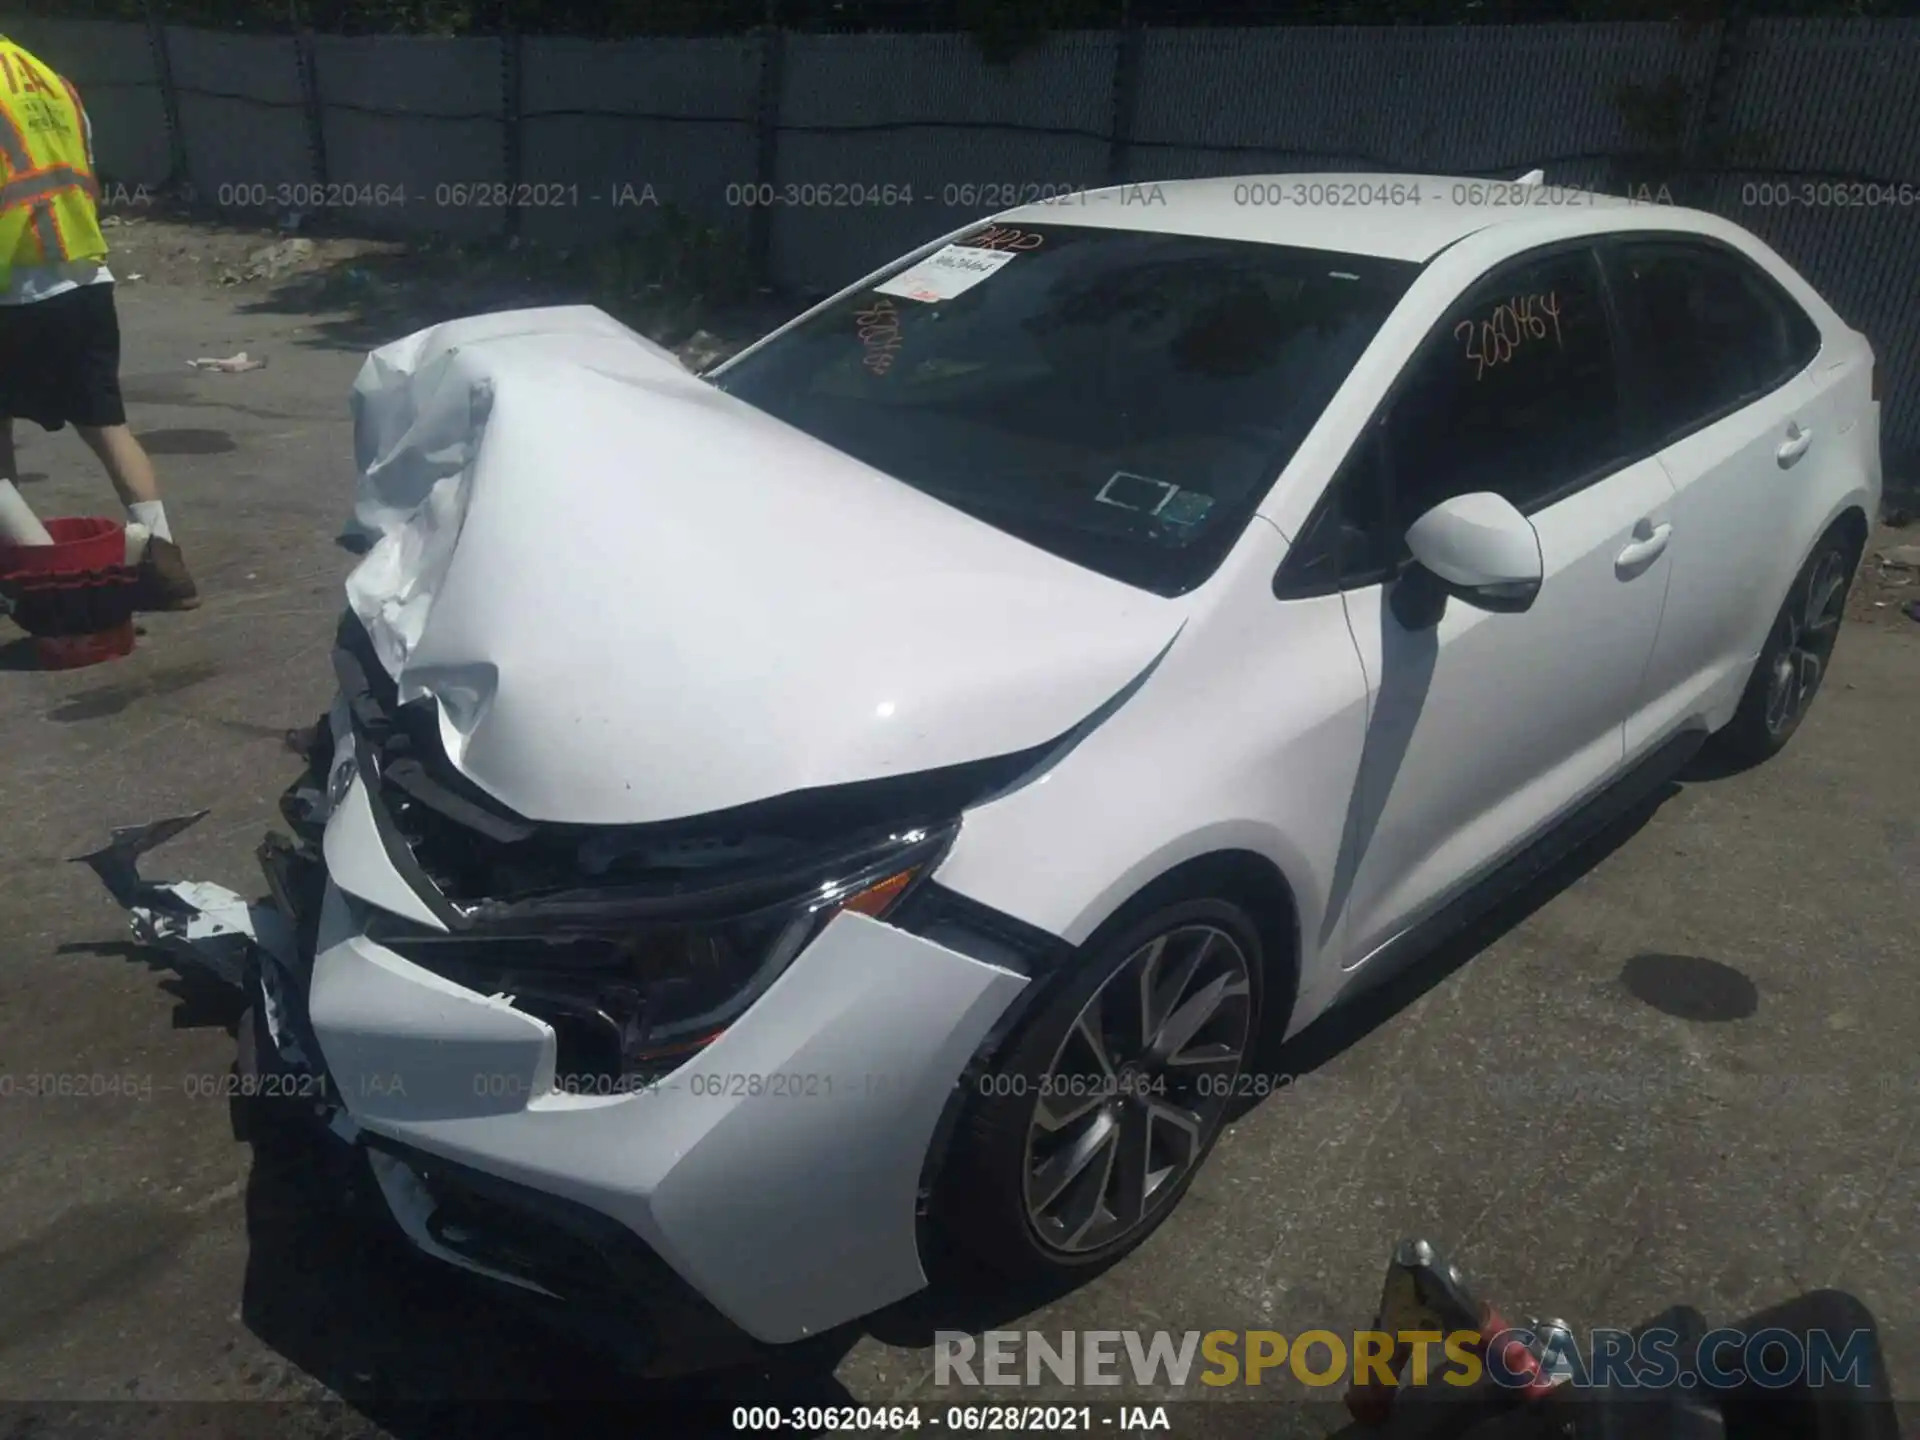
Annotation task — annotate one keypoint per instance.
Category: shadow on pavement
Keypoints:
(1351, 1022)
(204, 1002)
(425, 1351)
(19, 656)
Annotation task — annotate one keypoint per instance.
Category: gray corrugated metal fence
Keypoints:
(871, 143)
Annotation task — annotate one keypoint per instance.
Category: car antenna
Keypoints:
(1532, 177)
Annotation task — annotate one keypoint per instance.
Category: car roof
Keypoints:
(1355, 213)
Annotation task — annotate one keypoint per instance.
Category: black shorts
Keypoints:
(60, 360)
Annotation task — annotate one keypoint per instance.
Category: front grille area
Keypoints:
(626, 1007)
(475, 850)
(468, 844)
(584, 988)
(637, 944)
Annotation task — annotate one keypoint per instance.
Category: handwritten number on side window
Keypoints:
(1494, 340)
(878, 327)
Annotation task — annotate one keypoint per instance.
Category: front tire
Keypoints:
(1793, 663)
(1081, 1139)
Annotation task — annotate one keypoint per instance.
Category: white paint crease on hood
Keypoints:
(636, 598)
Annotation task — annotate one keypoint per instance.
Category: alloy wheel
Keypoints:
(1806, 643)
(1136, 1090)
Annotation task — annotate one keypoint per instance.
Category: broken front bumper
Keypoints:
(775, 1176)
(777, 1172)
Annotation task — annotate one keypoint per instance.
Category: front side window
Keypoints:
(1516, 392)
(1121, 399)
(1709, 332)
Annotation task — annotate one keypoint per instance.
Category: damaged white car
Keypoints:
(883, 792)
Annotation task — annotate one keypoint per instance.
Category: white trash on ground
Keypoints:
(231, 365)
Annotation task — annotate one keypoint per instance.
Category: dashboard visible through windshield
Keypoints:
(1122, 399)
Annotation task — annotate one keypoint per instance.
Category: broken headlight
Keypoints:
(636, 979)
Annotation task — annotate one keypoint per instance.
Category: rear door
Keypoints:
(1733, 400)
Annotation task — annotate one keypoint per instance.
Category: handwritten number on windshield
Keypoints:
(878, 327)
(1004, 237)
(1512, 324)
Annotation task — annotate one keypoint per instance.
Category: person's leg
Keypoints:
(26, 393)
(98, 412)
(127, 465)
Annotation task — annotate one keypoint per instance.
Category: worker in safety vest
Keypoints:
(59, 333)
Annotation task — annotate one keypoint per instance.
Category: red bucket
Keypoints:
(75, 596)
(78, 546)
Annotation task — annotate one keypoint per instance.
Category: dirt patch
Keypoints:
(1889, 579)
(681, 284)
(157, 248)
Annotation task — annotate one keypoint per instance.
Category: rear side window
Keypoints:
(1516, 392)
(1709, 332)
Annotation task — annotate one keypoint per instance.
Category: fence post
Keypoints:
(1709, 140)
(1128, 43)
(306, 63)
(766, 159)
(511, 67)
(177, 172)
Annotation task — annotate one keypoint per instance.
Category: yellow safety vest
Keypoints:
(47, 183)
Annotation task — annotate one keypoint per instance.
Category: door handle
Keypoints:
(1795, 445)
(1646, 547)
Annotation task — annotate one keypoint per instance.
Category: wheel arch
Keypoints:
(1244, 878)
(1853, 523)
(1848, 517)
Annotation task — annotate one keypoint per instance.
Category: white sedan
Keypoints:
(883, 791)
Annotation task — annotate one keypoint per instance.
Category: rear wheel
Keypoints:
(1081, 1141)
(1794, 661)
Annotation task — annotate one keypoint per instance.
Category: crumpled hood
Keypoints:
(636, 599)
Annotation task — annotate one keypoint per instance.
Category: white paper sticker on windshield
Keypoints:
(945, 273)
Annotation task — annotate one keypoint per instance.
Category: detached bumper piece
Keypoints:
(577, 1270)
(264, 949)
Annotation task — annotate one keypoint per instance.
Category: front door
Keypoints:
(1486, 727)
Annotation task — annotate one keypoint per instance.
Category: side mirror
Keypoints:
(1481, 549)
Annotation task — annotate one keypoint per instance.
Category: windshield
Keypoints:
(1121, 399)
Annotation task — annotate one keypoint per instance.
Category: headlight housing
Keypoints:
(635, 980)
